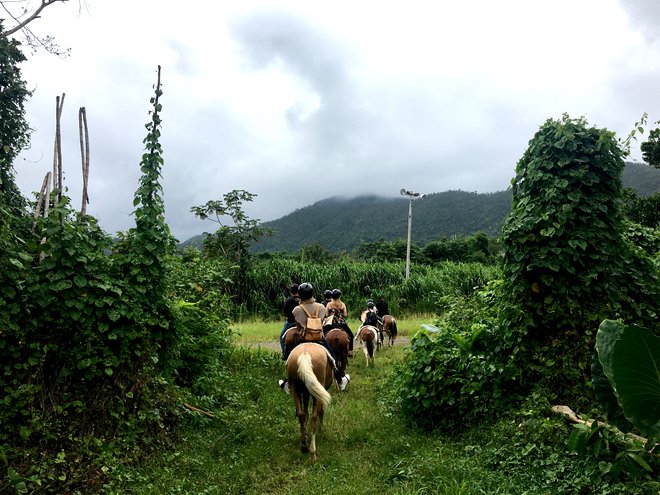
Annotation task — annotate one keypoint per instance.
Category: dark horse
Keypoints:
(389, 328)
(291, 338)
(338, 341)
(309, 370)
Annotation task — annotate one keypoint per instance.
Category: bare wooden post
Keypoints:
(58, 181)
(84, 154)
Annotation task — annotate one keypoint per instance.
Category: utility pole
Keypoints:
(410, 195)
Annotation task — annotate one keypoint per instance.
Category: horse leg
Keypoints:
(317, 418)
(301, 403)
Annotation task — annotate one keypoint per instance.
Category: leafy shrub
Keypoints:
(547, 455)
(461, 370)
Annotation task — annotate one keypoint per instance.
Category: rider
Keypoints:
(382, 308)
(327, 295)
(340, 308)
(306, 294)
(371, 316)
(287, 310)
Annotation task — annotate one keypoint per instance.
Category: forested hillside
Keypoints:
(347, 222)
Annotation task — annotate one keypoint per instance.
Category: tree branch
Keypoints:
(35, 15)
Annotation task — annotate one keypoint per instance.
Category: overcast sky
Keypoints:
(299, 101)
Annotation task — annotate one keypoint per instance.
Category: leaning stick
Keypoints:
(193, 408)
(42, 192)
(572, 416)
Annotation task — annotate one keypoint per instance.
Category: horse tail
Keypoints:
(306, 374)
(394, 329)
(370, 346)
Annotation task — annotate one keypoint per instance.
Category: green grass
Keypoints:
(252, 447)
(252, 444)
(255, 331)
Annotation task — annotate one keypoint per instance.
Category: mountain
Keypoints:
(341, 224)
(641, 177)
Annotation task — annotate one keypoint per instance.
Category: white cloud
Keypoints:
(300, 100)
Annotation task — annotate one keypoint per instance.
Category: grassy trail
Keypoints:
(252, 445)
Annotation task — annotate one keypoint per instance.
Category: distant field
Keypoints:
(255, 331)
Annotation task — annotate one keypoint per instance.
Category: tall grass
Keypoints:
(269, 281)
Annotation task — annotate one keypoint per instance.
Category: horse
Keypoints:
(389, 327)
(379, 329)
(338, 341)
(309, 370)
(368, 336)
(291, 338)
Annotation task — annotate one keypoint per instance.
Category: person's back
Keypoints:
(382, 308)
(311, 307)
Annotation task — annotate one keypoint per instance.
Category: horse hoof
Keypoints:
(304, 449)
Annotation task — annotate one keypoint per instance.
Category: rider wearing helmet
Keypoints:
(339, 307)
(371, 316)
(327, 296)
(309, 306)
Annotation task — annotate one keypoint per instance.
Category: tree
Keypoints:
(230, 241)
(651, 149)
(14, 129)
(23, 14)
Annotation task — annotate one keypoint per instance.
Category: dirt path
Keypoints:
(275, 346)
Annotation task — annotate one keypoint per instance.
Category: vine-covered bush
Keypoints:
(96, 341)
(567, 264)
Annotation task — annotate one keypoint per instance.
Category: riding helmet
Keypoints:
(327, 294)
(370, 304)
(305, 291)
(336, 293)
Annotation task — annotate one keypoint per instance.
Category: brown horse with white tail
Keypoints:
(389, 329)
(367, 335)
(309, 370)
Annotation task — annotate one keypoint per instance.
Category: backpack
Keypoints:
(314, 328)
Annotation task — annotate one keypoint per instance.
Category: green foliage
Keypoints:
(91, 346)
(567, 264)
(269, 281)
(651, 148)
(230, 241)
(544, 452)
(630, 357)
(477, 248)
(463, 369)
(14, 129)
(644, 210)
(388, 251)
(201, 311)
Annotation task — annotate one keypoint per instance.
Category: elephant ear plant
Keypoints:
(630, 360)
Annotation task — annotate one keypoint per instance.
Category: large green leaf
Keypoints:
(606, 398)
(630, 356)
